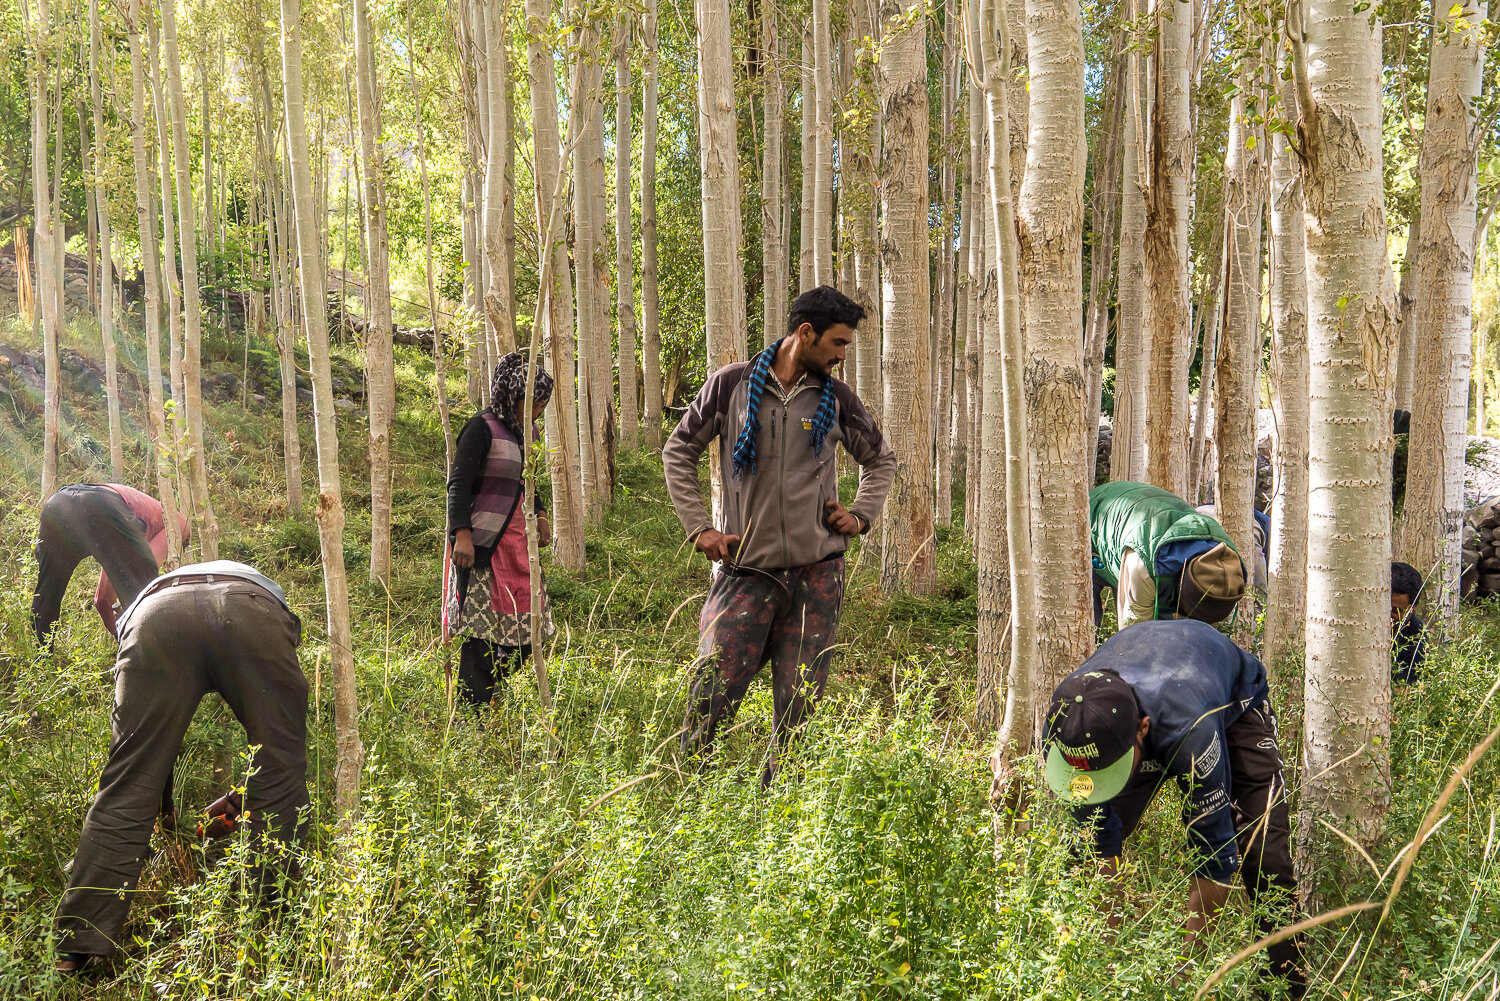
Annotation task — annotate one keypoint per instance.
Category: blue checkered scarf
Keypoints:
(744, 445)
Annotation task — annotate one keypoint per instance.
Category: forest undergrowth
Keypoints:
(490, 861)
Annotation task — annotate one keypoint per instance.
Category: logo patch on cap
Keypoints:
(1082, 787)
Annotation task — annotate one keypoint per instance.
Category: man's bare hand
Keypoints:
(543, 531)
(717, 546)
(463, 548)
(841, 519)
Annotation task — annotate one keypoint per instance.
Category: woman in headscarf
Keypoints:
(487, 585)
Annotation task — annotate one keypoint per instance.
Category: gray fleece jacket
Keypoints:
(778, 511)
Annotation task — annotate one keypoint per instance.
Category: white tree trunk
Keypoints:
(380, 360)
(773, 252)
(1406, 298)
(1004, 420)
(981, 322)
(650, 300)
(1104, 216)
(330, 510)
(106, 270)
(943, 338)
(1168, 168)
(562, 428)
(1286, 599)
(151, 313)
(477, 356)
(439, 352)
(286, 339)
(806, 239)
(1351, 336)
(822, 151)
(1237, 368)
(1433, 518)
(910, 552)
(171, 279)
(718, 158)
(1051, 254)
(630, 421)
(860, 141)
(498, 307)
(1132, 324)
(48, 275)
(596, 375)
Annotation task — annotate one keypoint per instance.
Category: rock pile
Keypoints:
(1481, 549)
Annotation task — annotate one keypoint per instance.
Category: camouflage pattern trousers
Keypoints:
(787, 617)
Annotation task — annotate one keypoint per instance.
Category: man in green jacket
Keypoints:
(1162, 558)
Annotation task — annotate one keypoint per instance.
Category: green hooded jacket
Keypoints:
(1143, 518)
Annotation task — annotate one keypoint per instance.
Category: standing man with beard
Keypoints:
(780, 588)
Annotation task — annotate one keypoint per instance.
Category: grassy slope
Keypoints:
(482, 869)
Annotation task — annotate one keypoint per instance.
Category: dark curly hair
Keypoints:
(1405, 580)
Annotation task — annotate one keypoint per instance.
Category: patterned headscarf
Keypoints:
(508, 388)
(744, 445)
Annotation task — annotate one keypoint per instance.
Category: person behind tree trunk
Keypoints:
(1161, 556)
(1260, 534)
(117, 525)
(1179, 701)
(1408, 631)
(487, 576)
(208, 627)
(780, 588)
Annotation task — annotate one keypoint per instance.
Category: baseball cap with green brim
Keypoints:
(1090, 738)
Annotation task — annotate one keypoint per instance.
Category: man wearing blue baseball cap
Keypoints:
(1178, 700)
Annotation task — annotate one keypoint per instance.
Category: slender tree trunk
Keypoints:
(91, 207)
(330, 510)
(981, 317)
(630, 422)
(106, 270)
(170, 275)
(806, 238)
(1132, 323)
(563, 432)
(1237, 371)
(151, 309)
(1406, 299)
(499, 307)
(279, 238)
(439, 351)
(379, 357)
(773, 253)
(650, 300)
(718, 153)
(1104, 217)
(1286, 600)
(861, 142)
(943, 341)
(49, 276)
(1346, 723)
(970, 231)
(1210, 320)
(1169, 167)
(596, 375)
(906, 531)
(822, 150)
(1004, 417)
(1051, 279)
(192, 382)
(477, 353)
(1445, 329)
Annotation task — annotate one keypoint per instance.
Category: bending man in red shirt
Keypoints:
(117, 525)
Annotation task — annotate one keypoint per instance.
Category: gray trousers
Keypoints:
(182, 642)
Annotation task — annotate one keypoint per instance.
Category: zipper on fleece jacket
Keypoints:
(786, 556)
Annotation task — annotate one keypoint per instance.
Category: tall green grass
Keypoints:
(487, 865)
